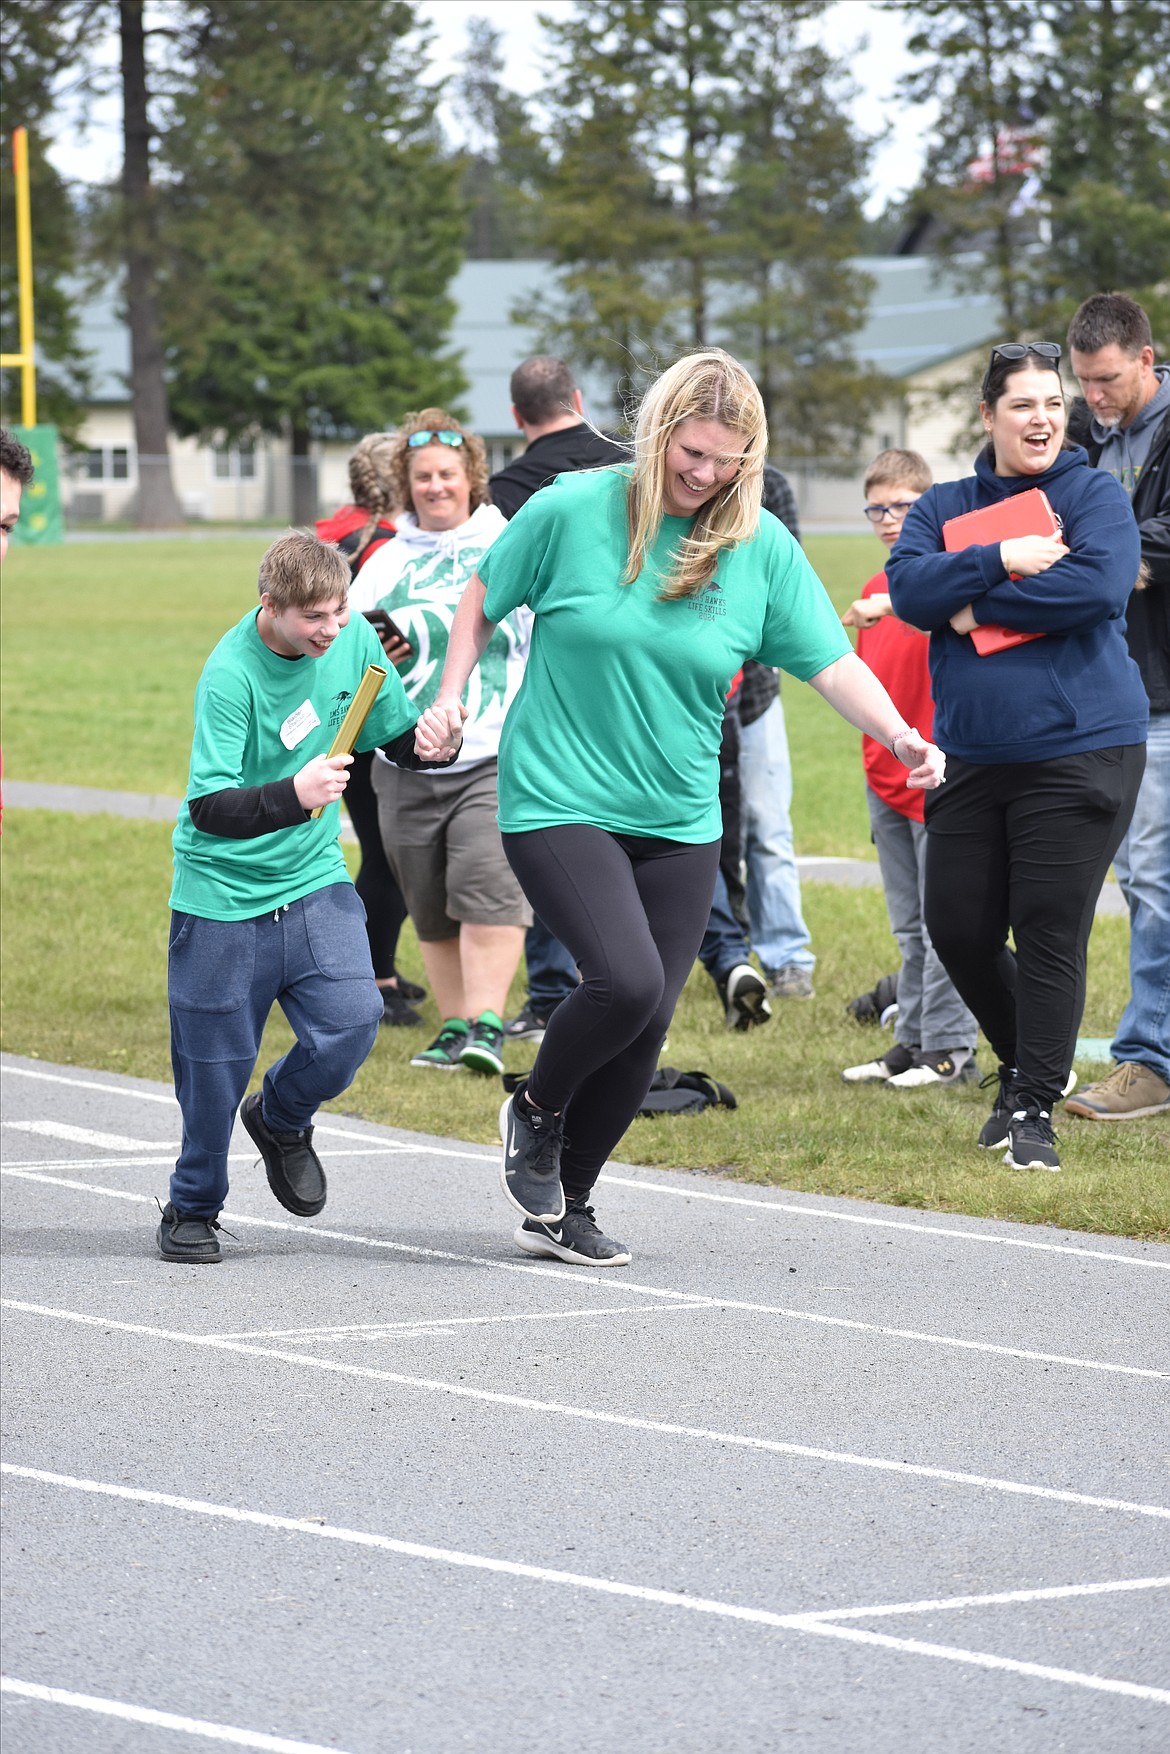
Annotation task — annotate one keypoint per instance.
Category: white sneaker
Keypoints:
(893, 1063)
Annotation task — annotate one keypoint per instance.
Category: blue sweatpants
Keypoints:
(224, 976)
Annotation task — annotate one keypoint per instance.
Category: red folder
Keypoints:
(1024, 514)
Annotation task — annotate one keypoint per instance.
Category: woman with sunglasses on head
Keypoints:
(442, 840)
(651, 583)
(1045, 740)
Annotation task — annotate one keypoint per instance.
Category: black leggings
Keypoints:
(1025, 847)
(632, 913)
(375, 881)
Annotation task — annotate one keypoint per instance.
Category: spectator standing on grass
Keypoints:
(264, 912)
(1125, 428)
(16, 471)
(651, 584)
(1045, 741)
(439, 830)
(934, 1033)
(548, 409)
(359, 530)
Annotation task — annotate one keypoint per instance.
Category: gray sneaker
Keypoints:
(790, 982)
(576, 1238)
(530, 1173)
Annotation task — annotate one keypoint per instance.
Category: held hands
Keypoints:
(439, 731)
(927, 763)
(322, 780)
(867, 611)
(1025, 556)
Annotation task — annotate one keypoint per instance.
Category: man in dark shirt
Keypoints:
(546, 406)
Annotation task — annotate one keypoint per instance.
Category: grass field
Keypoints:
(102, 645)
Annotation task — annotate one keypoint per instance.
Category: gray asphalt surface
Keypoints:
(380, 1483)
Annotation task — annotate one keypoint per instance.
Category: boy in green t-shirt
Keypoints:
(264, 911)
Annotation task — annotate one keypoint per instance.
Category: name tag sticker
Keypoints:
(298, 725)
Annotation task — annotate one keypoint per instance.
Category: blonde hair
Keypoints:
(898, 469)
(701, 386)
(299, 571)
(472, 451)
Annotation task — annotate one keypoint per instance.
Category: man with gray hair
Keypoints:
(1124, 424)
(546, 406)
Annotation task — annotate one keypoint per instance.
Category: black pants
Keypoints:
(1024, 847)
(375, 881)
(632, 913)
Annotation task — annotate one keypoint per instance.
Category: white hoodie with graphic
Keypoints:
(418, 579)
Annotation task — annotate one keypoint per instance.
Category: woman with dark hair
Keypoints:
(360, 530)
(650, 584)
(1045, 740)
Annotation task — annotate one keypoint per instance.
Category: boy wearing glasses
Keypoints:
(934, 1034)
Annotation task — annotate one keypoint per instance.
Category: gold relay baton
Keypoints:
(350, 728)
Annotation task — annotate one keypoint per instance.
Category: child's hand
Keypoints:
(867, 611)
(438, 734)
(322, 780)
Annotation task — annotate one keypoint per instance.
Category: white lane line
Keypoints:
(816, 1621)
(985, 1660)
(579, 1275)
(376, 1330)
(679, 1193)
(1000, 1598)
(163, 1720)
(87, 1136)
(786, 1207)
(626, 1421)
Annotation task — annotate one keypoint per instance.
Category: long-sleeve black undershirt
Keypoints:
(243, 812)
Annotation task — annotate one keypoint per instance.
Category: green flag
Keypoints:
(40, 505)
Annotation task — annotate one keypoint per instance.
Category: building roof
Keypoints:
(920, 316)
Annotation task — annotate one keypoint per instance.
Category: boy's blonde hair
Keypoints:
(898, 469)
(299, 571)
(710, 385)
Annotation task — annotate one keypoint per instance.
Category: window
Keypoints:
(234, 462)
(104, 463)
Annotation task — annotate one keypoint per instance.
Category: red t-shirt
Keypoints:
(348, 522)
(896, 653)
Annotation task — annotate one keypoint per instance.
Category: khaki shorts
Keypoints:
(443, 845)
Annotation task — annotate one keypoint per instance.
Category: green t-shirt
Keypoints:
(260, 717)
(620, 714)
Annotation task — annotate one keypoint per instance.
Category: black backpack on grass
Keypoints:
(683, 1093)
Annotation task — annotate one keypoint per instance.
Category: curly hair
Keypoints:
(472, 451)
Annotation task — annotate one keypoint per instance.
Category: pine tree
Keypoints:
(313, 227)
(503, 160)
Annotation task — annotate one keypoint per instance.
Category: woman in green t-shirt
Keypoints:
(650, 585)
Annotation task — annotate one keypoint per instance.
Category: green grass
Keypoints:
(84, 902)
(102, 647)
(103, 644)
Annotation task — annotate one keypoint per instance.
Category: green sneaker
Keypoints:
(443, 1053)
(484, 1051)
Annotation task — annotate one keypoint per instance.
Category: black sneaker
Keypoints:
(892, 1064)
(292, 1166)
(745, 997)
(993, 1135)
(483, 1051)
(1031, 1140)
(530, 1173)
(182, 1236)
(953, 1066)
(397, 1010)
(409, 989)
(529, 1025)
(576, 1238)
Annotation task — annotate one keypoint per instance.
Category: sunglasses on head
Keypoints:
(418, 439)
(1049, 350)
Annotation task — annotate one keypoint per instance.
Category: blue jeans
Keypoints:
(724, 946)
(224, 976)
(552, 973)
(1142, 865)
(779, 934)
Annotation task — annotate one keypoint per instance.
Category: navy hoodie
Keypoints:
(1075, 689)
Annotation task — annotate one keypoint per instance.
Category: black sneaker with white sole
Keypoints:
(745, 997)
(184, 1236)
(993, 1134)
(1031, 1140)
(576, 1238)
(530, 1173)
(892, 1064)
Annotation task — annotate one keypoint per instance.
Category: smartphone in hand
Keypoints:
(387, 630)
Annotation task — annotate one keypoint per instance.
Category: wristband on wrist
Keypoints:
(897, 738)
